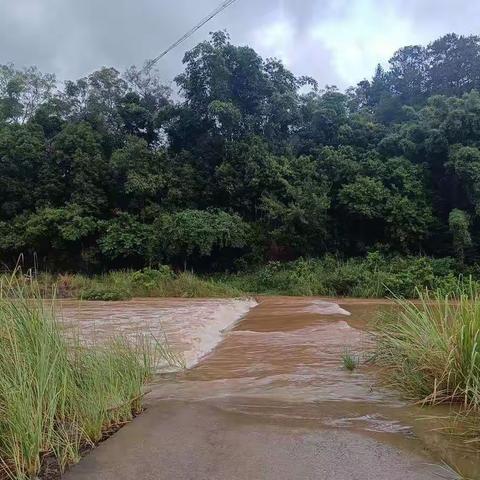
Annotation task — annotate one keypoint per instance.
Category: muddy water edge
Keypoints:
(281, 365)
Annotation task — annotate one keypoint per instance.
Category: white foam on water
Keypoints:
(192, 327)
(326, 308)
(208, 330)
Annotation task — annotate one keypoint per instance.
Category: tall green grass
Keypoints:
(430, 349)
(152, 283)
(57, 396)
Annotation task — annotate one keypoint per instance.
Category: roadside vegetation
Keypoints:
(57, 397)
(430, 349)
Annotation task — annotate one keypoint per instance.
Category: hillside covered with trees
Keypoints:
(249, 164)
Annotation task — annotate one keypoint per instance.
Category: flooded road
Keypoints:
(271, 400)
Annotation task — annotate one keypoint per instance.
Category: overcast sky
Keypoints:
(336, 41)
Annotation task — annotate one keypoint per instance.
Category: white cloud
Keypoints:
(336, 41)
(365, 36)
(276, 40)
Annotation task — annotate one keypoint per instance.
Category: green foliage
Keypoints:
(149, 277)
(430, 349)
(295, 209)
(373, 276)
(123, 285)
(139, 170)
(459, 224)
(22, 92)
(195, 231)
(103, 292)
(125, 237)
(189, 285)
(58, 398)
(350, 361)
(78, 167)
(465, 162)
(250, 164)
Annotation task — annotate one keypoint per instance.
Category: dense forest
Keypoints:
(247, 163)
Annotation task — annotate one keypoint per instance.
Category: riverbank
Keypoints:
(374, 276)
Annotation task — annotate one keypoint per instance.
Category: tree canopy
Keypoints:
(248, 163)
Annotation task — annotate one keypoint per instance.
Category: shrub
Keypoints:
(373, 276)
(189, 285)
(149, 278)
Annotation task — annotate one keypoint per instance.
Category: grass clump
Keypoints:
(189, 285)
(123, 285)
(350, 361)
(56, 398)
(430, 349)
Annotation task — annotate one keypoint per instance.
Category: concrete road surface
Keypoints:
(198, 441)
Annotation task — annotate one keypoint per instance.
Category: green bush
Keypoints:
(150, 278)
(161, 282)
(373, 276)
(189, 285)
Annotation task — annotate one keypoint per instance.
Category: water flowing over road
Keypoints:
(270, 401)
(192, 327)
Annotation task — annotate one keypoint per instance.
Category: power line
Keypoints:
(202, 22)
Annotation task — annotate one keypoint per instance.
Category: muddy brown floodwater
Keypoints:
(266, 397)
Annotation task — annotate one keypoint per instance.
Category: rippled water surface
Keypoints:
(192, 327)
(279, 360)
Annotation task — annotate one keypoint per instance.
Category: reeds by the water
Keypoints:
(430, 349)
(57, 396)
